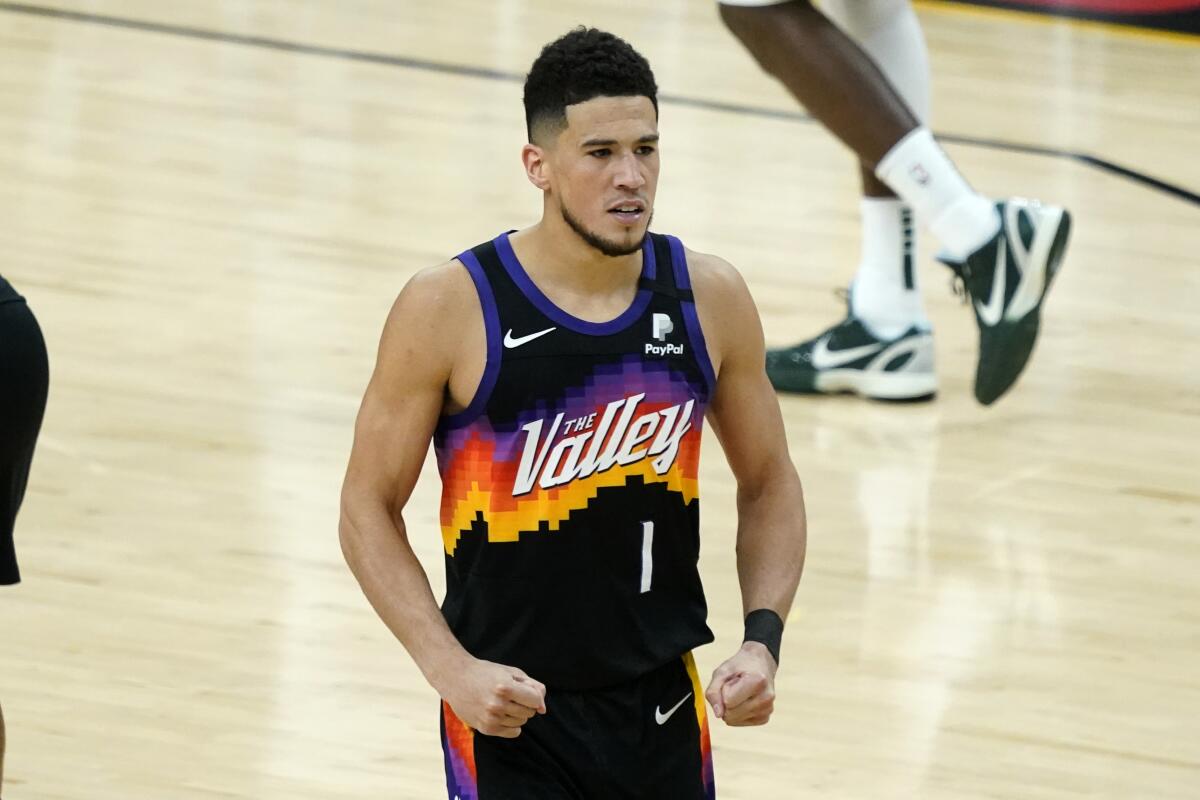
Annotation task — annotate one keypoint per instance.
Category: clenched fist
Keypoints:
(742, 691)
(494, 699)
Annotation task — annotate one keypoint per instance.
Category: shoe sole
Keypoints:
(878, 385)
(1017, 338)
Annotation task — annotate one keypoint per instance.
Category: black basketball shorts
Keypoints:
(24, 379)
(642, 740)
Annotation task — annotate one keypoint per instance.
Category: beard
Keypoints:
(606, 246)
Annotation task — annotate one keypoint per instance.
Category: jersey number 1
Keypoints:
(647, 554)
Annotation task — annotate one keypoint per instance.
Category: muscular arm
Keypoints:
(744, 415)
(391, 437)
(430, 359)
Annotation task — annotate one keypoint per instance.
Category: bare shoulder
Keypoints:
(725, 307)
(436, 290)
(435, 300)
(436, 311)
(714, 278)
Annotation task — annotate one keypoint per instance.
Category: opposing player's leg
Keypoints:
(24, 377)
(887, 293)
(886, 314)
(825, 70)
(844, 88)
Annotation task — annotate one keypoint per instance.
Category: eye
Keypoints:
(603, 152)
(645, 150)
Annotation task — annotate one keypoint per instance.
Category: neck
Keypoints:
(552, 252)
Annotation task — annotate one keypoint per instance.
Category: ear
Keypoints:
(537, 166)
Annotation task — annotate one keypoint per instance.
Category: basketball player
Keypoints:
(564, 372)
(24, 379)
(866, 78)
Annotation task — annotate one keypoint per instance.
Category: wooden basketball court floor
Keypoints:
(211, 225)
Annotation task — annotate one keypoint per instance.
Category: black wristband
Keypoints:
(764, 626)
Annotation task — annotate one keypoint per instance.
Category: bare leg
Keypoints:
(871, 185)
(843, 87)
(889, 33)
(827, 72)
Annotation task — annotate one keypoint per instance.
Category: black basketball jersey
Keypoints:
(570, 510)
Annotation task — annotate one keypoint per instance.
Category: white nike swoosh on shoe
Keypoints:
(510, 342)
(661, 718)
(990, 314)
(1033, 262)
(824, 358)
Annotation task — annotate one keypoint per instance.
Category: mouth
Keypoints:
(628, 212)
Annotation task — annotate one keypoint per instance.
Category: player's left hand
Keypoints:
(742, 690)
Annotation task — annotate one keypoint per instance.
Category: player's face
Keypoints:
(605, 171)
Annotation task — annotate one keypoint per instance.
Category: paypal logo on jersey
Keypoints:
(661, 325)
(618, 438)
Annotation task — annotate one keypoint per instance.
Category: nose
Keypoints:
(629, 173)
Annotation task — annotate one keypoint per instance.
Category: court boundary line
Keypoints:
(487, 73)
(1113, 27)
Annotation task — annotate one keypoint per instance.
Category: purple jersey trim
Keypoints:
(556, 314)
(691, 319)
(491, 327)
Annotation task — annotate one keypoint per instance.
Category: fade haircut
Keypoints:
(584, 64)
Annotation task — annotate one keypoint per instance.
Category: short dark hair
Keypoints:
(584, 64)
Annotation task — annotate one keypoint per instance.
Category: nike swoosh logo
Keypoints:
(824, 358)
(510, 342)
(661, 718)
(990, 314)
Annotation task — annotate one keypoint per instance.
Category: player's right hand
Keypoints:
(494, 699)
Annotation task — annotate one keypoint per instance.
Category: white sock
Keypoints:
(922, 174)
(886, 294)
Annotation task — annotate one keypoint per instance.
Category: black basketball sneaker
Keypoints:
(850, 358)
(1007, 280)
